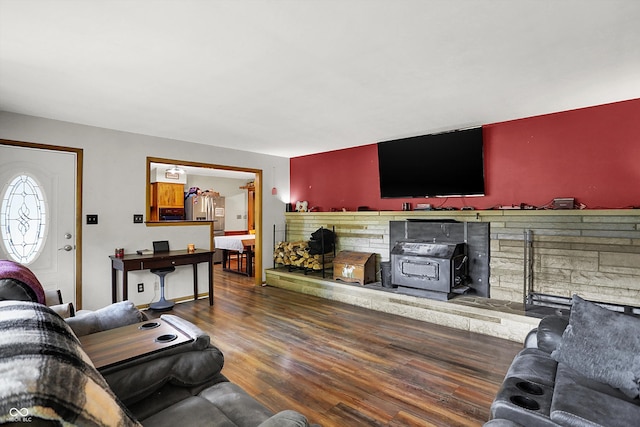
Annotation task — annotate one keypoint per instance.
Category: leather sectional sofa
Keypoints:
(581, 370)
(47, 379)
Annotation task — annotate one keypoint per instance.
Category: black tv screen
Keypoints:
(445, 164)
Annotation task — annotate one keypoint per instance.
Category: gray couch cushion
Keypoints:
(236, 404)
(188, 369)
(112, 316)
(193, 412)
(226, 405)
(602, 345)
(579, 401)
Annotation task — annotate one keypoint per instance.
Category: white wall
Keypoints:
(115, 189)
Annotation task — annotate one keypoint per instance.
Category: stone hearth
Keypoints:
(502, 319)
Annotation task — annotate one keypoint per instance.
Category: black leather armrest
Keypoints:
(550, 332)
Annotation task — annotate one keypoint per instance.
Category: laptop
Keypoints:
(160, 246)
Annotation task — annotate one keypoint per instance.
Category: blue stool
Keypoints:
(163, 304)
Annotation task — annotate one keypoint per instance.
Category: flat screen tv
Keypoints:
(440, 165)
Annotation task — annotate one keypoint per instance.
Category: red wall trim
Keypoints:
(591, 154)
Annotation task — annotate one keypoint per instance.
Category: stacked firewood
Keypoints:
(297, 254)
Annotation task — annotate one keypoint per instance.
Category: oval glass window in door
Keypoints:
(23, 219)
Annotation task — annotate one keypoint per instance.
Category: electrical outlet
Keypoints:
(92, 219)
(138, 218)
(140, 287)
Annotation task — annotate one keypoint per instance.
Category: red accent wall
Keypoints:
(591, 154)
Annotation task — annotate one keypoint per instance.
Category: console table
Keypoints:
(133, 262)
(115, 346)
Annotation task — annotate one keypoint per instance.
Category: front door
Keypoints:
(38, 214)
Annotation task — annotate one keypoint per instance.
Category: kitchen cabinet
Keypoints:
(251, 205)
(166, 196)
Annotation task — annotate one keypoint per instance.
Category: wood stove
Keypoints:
(465, 254)
(432, 270)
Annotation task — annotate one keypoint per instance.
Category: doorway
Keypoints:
(54, 175)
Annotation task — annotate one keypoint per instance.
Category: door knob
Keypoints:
(66, 248)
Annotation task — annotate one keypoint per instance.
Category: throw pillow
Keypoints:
(45, 374)
(602, 345)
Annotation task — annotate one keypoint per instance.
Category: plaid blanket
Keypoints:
(44, 373)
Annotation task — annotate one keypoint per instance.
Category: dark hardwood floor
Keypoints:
(342, 365)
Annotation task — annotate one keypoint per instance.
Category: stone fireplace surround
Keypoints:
(594, 253)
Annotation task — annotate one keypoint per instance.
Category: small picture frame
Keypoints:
(171, 175)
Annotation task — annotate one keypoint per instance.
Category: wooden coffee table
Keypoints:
(115, 346)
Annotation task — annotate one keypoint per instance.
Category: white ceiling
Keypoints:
(294, 77)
